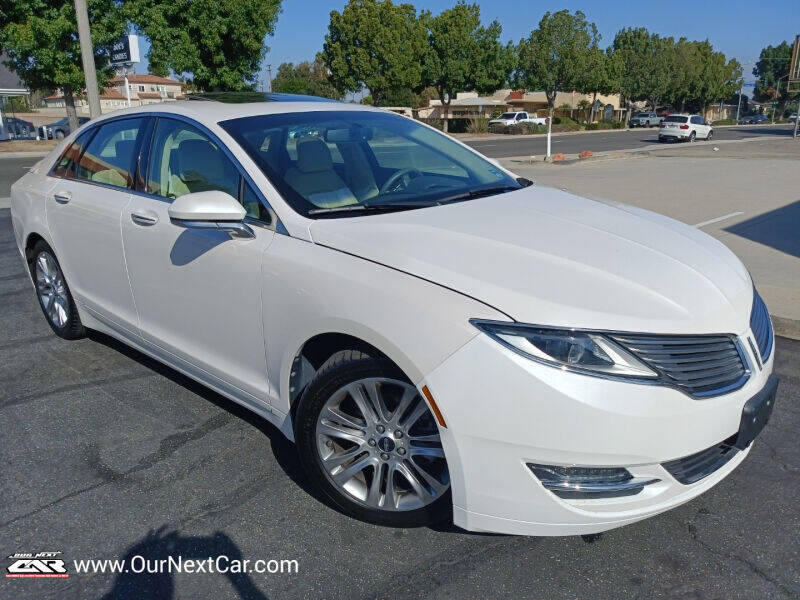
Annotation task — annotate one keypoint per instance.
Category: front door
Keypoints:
(198, 292)
(84, 207)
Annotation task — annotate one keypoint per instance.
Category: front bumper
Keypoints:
(504, 411)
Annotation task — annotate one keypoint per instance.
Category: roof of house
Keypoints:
(145, 79)
(111, 94)
(147, 95)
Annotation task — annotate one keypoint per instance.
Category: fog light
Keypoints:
(589, 482)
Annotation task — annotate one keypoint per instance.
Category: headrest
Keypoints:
(124, 150)
(313, 155)
(198, 160)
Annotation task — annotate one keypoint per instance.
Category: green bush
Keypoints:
(564, 121)
(572, 125)
(605, 125)
(478, 125)
(724, 122)
(497, 128)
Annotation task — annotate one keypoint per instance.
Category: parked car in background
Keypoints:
(58, 129)
(428, 340)
(753, 119)
(684, 127)
(511, 118)
(19, 128)
(645, 119)
(793, 118)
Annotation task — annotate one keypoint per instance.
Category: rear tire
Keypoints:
(692, 137)
(383, 470)
(53, 293)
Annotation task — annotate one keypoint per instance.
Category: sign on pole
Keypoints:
(125, 51)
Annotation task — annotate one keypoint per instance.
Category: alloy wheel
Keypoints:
(51, 289)
(378, 443)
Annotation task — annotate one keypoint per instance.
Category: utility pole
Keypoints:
(739, 104)
(775, 100)
(87, 54)
(269, 74)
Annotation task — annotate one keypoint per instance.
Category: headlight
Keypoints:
(583, 351)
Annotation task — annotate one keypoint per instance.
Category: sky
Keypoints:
(736, 27)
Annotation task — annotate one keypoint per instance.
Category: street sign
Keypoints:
(125, 51)
(752, 85)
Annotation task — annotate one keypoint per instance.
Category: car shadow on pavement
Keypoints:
(284, 451)
(147, 576)
(777, 229)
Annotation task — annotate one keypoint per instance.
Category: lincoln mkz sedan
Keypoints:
(440, 338)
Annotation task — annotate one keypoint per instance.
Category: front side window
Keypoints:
(327, 162)
(109, 157)
(184, 160)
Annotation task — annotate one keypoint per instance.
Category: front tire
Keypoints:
(710, 135)
(367, 438)
(53, 293)
(59, 135)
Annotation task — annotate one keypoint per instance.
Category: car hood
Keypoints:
(547, 257)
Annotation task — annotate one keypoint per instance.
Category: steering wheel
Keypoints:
(391, 183)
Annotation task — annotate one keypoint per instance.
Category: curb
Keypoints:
(785, 327)
(28, 154)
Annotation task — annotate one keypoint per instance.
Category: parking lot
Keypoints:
(107, 454)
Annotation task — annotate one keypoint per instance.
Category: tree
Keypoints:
(377, 45)
(555, 56)
(646, 62)
(305, 78)
(40, 39)
(463, 55)
(600, 77)
(772, 70)
(220, 42)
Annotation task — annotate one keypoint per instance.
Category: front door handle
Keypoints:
(62, 197)
(144, 219)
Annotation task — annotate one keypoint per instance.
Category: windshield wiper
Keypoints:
(376, 207)
(477, 193)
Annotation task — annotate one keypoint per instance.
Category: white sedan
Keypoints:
(684, 127)
(441, 339)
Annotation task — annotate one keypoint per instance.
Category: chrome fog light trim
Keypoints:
(589, 482)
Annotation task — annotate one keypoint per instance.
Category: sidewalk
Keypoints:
(745, 194)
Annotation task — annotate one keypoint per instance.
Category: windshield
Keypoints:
(675, 119)
(507, 116)
(337, 162)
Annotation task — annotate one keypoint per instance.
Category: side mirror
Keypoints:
(213, 209)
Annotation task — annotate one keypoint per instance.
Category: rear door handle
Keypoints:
(62, 197)
(144, 219)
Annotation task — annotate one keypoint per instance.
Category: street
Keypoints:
(573, 143)
(12, 169)
(108, 454)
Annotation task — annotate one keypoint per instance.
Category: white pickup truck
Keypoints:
(510, 118)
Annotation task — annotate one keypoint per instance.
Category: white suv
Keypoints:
(684, 127)
(440, 338)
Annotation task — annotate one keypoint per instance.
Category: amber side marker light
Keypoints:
(436, 412)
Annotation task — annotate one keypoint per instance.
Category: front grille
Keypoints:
(690, 469)
(761, 326)
(700, 365)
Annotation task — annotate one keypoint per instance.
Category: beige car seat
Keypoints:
(314, 178)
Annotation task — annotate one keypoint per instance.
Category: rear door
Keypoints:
(84, 208)
(199, 292)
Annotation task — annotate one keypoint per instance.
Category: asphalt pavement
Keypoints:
(108, 454)
(12, 169)
(603, 141)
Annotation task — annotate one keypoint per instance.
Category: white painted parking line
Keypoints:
(718, 219)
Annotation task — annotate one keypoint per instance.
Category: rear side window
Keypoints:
(109, 157)
(697, 120)
(65, 166)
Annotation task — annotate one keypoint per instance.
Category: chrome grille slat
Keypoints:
(701, 365)
(761, 326)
